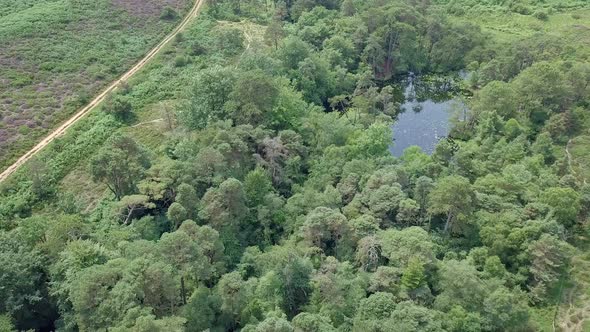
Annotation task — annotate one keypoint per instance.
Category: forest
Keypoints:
(242, 181)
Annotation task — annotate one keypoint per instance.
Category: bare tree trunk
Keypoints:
(448, 223)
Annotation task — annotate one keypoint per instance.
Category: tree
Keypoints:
(234, 293)
(296, 284)
(102, 295)
(413, 276)
(565, 203)
(373, 310)
(77, 256)
(229, 40)
(176, 214)
(308, 322)
(293, 51)
(257, 185)
(139, 320)
(271, 324)
(183, 253)
(372, 142)
(187, 197)
(23, 294)
(408, 317)
(408, 212)
(6, 324)
(452, 196)
(506, 309)
(168, 13)
(225, 205)
(274, 33)
(328, 230)
(402, 246)
(198, 311)
(348, 8)
(118, 105)
(120, 164)
(543, 145)
(549, 259)
(460, 284)
(253, 98)
(496, 96)
(422, 189)
(207, 97)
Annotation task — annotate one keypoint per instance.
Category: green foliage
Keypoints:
(413, 276)
(270, 201)
(54, 62)
(565, 203)
(120, 164)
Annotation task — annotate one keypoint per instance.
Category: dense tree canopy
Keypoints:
(269, 201)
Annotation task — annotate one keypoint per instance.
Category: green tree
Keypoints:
(460, 284)
(274, 33)
(328, 230)
(565, 203)
(198, 311)
(408, 317)
(257, 185)
(23, 294)
(176, 214)
(120, 164)
(225, 205)
(102, 295)
(452, 196)
(413, 276)
(372, 311)
(348, 8)
(296, 284)
(402, 246)
(408, 212)
(207, 97)
(187, 197)
(549, 259)
(505, 309)
(422, 189)
(253, 98)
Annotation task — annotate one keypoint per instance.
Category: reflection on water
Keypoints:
(425, 114)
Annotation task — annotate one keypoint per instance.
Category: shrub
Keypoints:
(117, 105)
(168, 13)
(541, 14)
(24, 129)
(180, 61)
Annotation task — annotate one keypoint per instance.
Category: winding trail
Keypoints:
(98, 99)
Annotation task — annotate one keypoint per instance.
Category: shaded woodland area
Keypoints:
(243, 181)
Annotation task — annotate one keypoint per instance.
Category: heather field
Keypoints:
(57, 54)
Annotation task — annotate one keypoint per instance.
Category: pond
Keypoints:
(425, 113)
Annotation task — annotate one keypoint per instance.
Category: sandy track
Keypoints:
(98, 99)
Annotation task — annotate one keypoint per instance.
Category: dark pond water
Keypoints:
(426, 111)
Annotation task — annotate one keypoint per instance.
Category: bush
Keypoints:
(180, 61)
(117, 105)
(24, 129)
(541, 15)
(168, 13)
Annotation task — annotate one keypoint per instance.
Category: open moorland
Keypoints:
(56, 54)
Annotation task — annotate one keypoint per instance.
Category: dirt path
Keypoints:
(138, 66)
